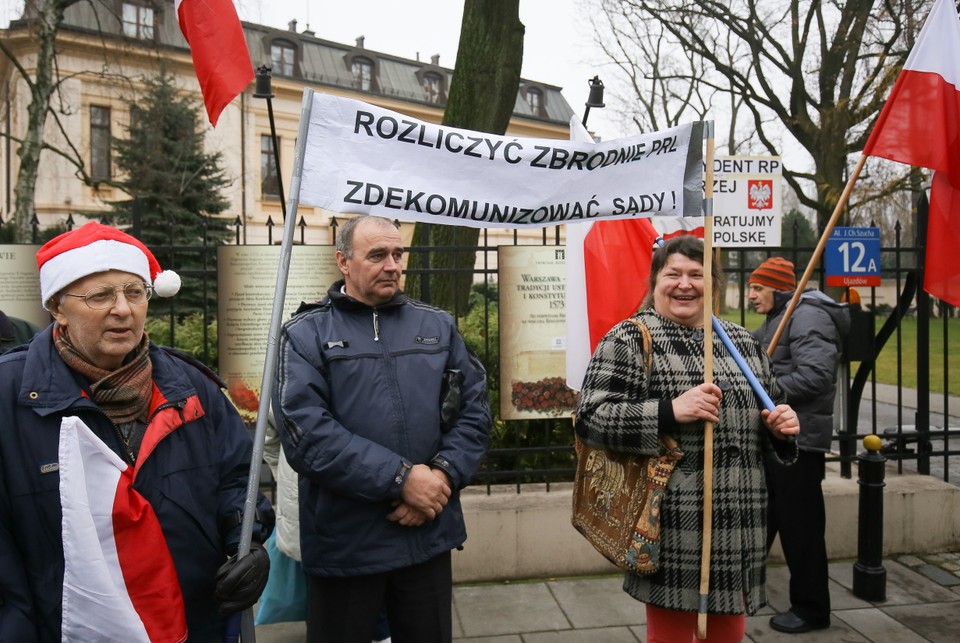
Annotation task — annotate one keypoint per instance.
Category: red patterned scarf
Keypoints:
(123, 394)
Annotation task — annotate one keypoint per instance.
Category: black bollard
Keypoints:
(869, 576)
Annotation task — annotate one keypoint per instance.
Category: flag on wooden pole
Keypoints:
(920, 126)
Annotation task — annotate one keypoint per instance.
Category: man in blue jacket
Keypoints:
(805, 363)
(128, 537)
(360, 379)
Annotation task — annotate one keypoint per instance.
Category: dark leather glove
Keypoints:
(240, 581)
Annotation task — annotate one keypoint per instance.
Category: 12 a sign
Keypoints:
(853, 257)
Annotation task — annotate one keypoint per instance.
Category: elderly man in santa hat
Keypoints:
(123, 467)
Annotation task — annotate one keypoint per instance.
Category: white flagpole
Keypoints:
(247, 634)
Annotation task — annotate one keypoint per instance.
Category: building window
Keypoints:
(137, 21)
(362, 70)
(269, 178)
(283, 56)
(432, 87)
(99, 142)
(535, 100)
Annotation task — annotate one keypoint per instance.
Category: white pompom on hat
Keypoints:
(95, 248)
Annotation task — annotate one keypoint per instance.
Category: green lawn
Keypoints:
(887, 362)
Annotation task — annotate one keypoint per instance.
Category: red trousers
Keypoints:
(674, 626)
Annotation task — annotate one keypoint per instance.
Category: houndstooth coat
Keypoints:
(621, 408)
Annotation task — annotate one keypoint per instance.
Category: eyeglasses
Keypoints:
(102, 297)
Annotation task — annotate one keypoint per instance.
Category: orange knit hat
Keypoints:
(775, 272)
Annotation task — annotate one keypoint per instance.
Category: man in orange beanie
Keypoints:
(805, 363)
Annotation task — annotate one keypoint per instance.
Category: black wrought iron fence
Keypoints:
(899, 381)
(916, 336)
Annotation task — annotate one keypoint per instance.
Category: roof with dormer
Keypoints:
(317, 61)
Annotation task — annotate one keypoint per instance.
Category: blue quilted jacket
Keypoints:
(357, 397)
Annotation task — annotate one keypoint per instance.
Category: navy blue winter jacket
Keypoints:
(195, 479)
(358, 395)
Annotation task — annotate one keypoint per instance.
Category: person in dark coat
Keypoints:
(123, 466)
(14, 331)
(805, 362)
(626, 407)
(382, 447)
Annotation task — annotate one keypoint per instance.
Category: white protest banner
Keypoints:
(362, 159)
(747, 201)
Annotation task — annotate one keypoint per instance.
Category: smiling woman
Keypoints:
(678, 294)
(626, 408)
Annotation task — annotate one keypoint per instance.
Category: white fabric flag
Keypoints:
(119, 583)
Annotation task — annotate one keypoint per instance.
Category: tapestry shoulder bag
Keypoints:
(617, 496)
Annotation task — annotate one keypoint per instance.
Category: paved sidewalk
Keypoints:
(923, 604)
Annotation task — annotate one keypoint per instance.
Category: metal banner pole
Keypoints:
(247, 634)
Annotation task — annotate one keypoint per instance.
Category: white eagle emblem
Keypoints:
(760, 195)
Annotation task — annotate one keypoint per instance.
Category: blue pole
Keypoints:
(738, 358)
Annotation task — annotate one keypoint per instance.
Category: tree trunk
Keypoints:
(482, 96)
(46, 25)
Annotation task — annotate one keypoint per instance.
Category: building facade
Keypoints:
(105, 51)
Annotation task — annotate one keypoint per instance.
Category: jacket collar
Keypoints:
(49, 386)
(780, 300)
(338, 298)
(7, 331)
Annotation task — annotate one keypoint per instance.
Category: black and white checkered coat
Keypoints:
(620, 410)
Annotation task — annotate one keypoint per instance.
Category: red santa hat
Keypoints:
(94, 248)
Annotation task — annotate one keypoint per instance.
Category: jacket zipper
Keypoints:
(128, 455)
(376, 327)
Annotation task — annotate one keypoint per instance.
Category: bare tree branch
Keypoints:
(806, 75)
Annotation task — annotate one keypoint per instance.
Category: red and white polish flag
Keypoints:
(119, 581)
(920, 126)
(608, 269)
(219, 50)
(608, 272)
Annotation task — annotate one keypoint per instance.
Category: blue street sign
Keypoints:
(852, 257)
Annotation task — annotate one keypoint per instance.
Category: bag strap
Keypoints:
(673, 452)
(647, 360)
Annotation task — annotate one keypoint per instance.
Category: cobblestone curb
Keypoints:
(943, 568)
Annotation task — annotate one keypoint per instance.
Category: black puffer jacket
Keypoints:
(806, 359)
